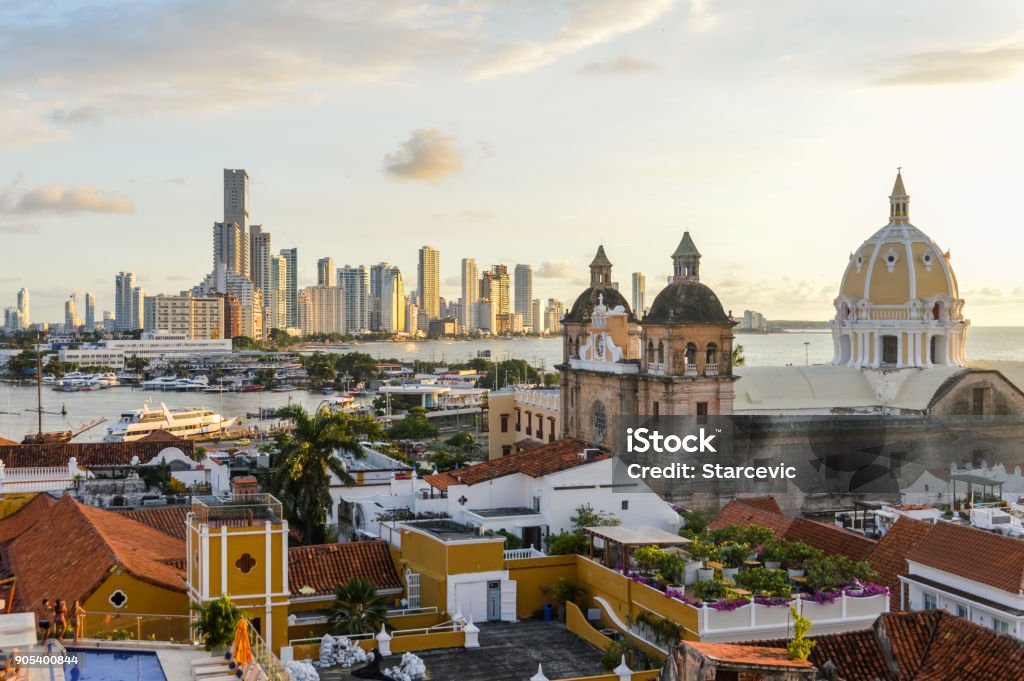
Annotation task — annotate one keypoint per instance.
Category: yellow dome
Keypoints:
(899, 263)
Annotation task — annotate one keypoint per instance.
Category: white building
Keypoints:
(355, 285)
(276, 294)
(639, 294)
(124, 283)
(470, 295)
(321, 310)
(195, 317)
(971, 573)
(534, 493)
(392, 301)
(524, 295)
(113, 353)
(429, 282)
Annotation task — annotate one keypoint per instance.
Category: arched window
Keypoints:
(937, 311)
(711, 354)
(650, 352)
(691, 354)
(661, 352)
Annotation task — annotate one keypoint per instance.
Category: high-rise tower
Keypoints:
(429, 282)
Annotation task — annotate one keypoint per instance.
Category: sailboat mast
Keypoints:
(39, 391)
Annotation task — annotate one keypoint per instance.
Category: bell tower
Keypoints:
(899, 201)
(601, 269)
(239, 547)
(686, 260)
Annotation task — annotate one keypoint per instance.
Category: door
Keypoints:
(493, 601)
(531, 537)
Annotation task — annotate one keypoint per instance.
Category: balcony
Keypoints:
(690, 370)
(711, 369)
(523, 554)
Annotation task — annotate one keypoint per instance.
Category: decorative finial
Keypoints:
(899, 170)
(600, 299)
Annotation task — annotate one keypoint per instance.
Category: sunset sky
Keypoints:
(516, 132)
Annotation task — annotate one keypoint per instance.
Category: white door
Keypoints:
(471, 600)
(508, 601)
(412, 588)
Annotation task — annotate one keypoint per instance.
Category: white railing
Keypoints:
(690, 370)
(521, 554)
(657, 368)
(711, 369)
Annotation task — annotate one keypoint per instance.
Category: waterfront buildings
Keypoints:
(194, 317)
(250, 299)
(90, 312)
(470, 295)
(24, 309)
(113, 353)
(124, 283)
(639, 293)
(236, 197)
(292, 290)
(538, 316)
(325, 272)
(428, 282)
(259, 259)
(524, 294)
(321, 310)
(275, 295)
(71, 320)
(355, 284)
(392, 301)
(753, 321)
(231, 247)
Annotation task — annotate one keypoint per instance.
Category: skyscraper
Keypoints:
(392, 301)
(236, 197)
(470, 295)
(71, 321)
(275, 295)
(355, 282)
(231, 247)
(90, 312)
(428, 282)
(259, 258)
(639, 294)
(524, 294)
(124, 282)
(291, 296)
(24, 316)
(325, 272)
(378, 275)
(538, 316)
(137, 308)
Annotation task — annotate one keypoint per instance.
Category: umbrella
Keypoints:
(242, 649)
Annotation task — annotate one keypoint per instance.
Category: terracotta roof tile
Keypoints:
(753, 655)
(87, 454)
(7, 443)
(324, 566)
(25, 517)
(553, 457)
(72, 551)
(738, 512)
(930, 645)
(830, 538)
(167, 519)
(160, 436)
(764, 503)
(973, 554)
(889, 557)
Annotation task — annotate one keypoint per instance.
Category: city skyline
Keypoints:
(780, 167)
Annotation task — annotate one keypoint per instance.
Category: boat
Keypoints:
(215, 389)
(283, 389)
(190, 384)
(251, 388)
(103, 381)
(192, 422)
(161, 383)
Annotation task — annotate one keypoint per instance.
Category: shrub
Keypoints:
(756, 535)
(734, 554)
(703, 551)
(710, 589)
(648, 557)
(800, 648)
(764, 582)
(798, 553)
(568, 590)
(826, 573)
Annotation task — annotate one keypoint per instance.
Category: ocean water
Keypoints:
(815, 347)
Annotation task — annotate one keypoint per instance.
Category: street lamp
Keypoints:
(807, 352)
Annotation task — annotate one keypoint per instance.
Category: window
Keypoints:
(519, 420)
(930, 602)
(978, 402)
(1001, 626)
(961, 610)
(504, 423)
(890, 348)
(506, 450)
(625, 504)
(118, 599)
(245, 563)
(536, 504)
(540, 426)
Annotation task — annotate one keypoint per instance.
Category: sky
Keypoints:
(512, 132)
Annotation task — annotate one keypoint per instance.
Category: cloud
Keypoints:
(588, 24)
(454, 280)
(477, 215)
(55, 198)
(950, 67)
(180, 181)
(488, 150)
(75, 116)
(622, 66)
(701, 18)
(19, 228)
(427, 155)
(555, 269)
(178, 277)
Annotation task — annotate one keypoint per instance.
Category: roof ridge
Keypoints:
(79, 508)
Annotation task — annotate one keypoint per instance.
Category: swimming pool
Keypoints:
(115, 665)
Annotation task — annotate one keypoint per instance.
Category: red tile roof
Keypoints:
(764, 503)
(830, 538)
(752, 655)
(973, 554)
(72, 549)
(87, 454)
(167, 519)
(930, 645)
(160, 436)
(553, 457)
(324, 566)
(25, 517)
(738, 512)
(889, 557)
(8, 443)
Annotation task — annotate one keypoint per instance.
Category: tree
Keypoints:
(447, 459)
(800, 648)
(464, 443)
(586, 516)
(357, 607)
(320, 369)
(359, 366)
(307, 456)
(415, 426)
(216, 622)
(738, 358)
(265, 377)
(506, 372)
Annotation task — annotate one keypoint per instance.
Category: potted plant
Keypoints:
(703, 551)
(758, 536)
(832, 572)
(710, 591)
(647, 559)
(733, 555)
(566, 591)
(796, 555)
(773, 553)
(764, 582)
(672, 567)
(215, 622)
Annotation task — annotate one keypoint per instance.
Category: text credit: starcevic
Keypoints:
(645, 441)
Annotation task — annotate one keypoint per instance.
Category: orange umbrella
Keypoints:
(242, 649)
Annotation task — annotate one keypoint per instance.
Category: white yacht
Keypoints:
(101, 381)
(188, 384)
(138, 423)
(161, 383)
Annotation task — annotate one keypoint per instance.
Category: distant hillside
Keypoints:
(797, 324)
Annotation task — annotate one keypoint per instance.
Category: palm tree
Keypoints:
(357, 608)
(306, 457)
(215, 622)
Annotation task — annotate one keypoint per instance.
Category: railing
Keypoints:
(265, 658)
(711, 369)
(133, 626)
(690, 370)
(520, 554)
(657, 368)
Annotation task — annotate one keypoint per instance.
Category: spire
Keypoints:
(899, 200)
(600, 269)
(686, 260)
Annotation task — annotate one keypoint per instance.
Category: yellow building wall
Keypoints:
(934, 282)
(534, 579)
(477, 556)
(146, 601)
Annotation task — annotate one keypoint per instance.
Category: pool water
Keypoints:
(115, 665)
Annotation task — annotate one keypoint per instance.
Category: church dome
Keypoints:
(899, 262)
(686, 301)
(585, 303)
